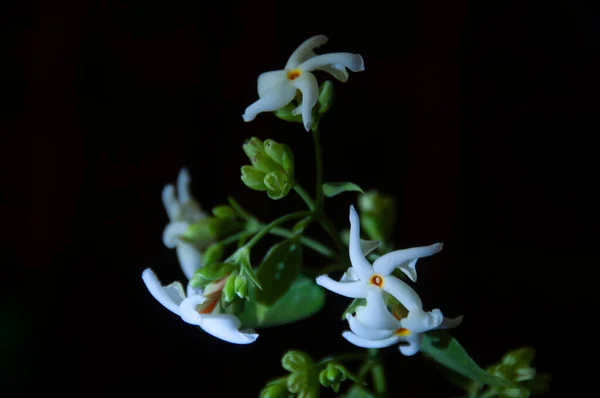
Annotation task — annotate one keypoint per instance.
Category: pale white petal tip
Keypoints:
(148, 273)
(361, 66)
(439, 246)
(320, 280)
(247, 118)
(353, 214)
(249, 336)
(184, 175)
(408, 349)
(307, 125)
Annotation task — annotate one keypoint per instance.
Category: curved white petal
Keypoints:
(172, 205)
(349, 276)
(190, 209)
(275, 98)
(405, 260)
(183, 186)
(269, 79)
(366, 343)
(173, 232)
(366, 332)
(170, 296)
(402, 292)
(354, 62)
(363, 268)
(224, 327)
(375, 314)
(297, 110)
(193, 291)
(337, 71)
(305, 51)
(419, 321)
(451, 323)
(413, 344)
(308, 86)
(348, 289)
(190, 259)
(368, 246)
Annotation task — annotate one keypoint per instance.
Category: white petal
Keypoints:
(269, 79)
(403, 293)
(191, 211)
(297, 110)
(350, 276)
(190, 259)
(375, 314)
(348, 289)
(368, 246)
(405, 260)
(451, 323)
(275, 98)
(183, 186)
(359, 262)
(193, 291)
(366, 332)
(365, 343)
(224, 327)
(170, 296)
(172, 205)
(354, 62)
(305, 51)
(413, 344)
(419, 321)
(308, 86)
(173, 232)
(337, 71)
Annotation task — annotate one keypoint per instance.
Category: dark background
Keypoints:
(479, 119)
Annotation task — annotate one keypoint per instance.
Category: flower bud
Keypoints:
(325, 99)
(521, 356)
(223, 212)
(281, 154)
(294, 361)
(274, 390)
(262, 162)
(377, 213)
(332, 376)
(286, 113)
(278, 184)
(241, 286)
(253, 178)
(213, 253)
(252, 146)
(229, 288)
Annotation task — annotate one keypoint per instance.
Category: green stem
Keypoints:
(239, 209)
(305, 196)
(342, 358)
(319, 164)
(267, 228)
(378, 373)
(235, 237)
(306, 241)
(332, 232)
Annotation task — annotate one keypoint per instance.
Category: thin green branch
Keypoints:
(306, 241)
(275, 223)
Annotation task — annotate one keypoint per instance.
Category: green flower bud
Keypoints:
(241, 286)
(502, 371)
(332, 376)
(515, 393)
(213, 253)
(211, 273)
(253, 178)
(229, 288)
(278, 185)
(524, 374)
(252, 146)
(262, 162)
(199, 232)
(521, 356)
(285, 113)
(274, 390)
(294, 361)
(297, 382)
(281, 154)
(378, 214)
(223, 212)
(325, 99)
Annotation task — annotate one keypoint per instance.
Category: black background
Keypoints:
(479, 119)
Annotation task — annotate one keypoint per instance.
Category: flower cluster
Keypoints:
(374, 325)
(194, 305)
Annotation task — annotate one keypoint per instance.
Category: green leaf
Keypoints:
(278, 270)
(357, 302)
(247, 268)
(303, 299)
(212, 272)
(213, 253)
(331, 189)
(440, 346)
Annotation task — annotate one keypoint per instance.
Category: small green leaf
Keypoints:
(303, 299)
(331, 189)
(247, 268)
(302, 225)
(223, 212)
(357, 302)
(213, 253)
(210, 273)
(440, 346)
(278, 270)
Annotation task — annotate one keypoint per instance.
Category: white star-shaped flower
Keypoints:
(183, 210)
(361, 277)
(199, 308)
(375, 327)
(278, 88)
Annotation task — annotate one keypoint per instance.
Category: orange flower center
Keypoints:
(377, 280)
(402, 332)
(209, 308)
(294, 74)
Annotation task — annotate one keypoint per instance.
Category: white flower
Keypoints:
(375, 327)
(278, 88)
(361, 276)
(199, 308)
(182, 210)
